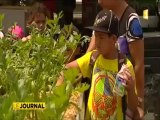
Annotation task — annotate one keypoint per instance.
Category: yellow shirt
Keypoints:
(103, 104)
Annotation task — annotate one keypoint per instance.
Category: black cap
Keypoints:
(106, 22)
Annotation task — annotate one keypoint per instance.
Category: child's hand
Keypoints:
(24, 39)
(130, 84)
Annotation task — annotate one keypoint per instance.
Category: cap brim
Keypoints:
(98, 29)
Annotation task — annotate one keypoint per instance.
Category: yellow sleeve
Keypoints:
(83, 64)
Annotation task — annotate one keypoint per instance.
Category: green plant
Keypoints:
(1, 19)
(29, 71)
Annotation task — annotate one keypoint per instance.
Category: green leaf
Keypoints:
(1, 20)
(82, 88)
(2, 59)
(71, 74)
(60, 90)
(12, 74)
(6, 106)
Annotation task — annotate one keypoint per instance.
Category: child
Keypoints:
(37, 16)
(131, 36)
(103, 103)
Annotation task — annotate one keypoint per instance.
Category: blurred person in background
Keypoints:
(69, 6)
(37, 16)
(51, 5)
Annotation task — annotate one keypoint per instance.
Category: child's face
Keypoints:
(40, 21)
(104, 42)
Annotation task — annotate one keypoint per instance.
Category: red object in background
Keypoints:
(50, 4)
(17, 32)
